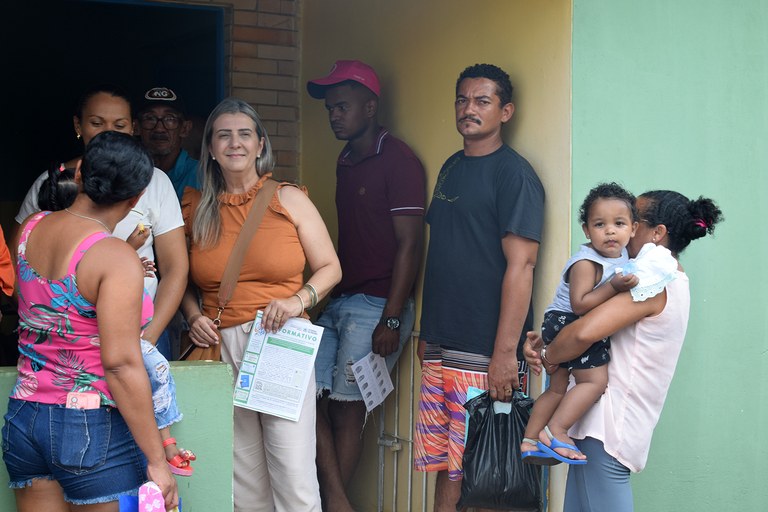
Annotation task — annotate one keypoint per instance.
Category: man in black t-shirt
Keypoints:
(485, 220)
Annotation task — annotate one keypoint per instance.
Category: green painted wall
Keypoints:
(204, 395)
(675, 95)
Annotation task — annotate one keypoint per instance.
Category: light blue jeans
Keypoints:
(602, 485)
(348, 323)
(163, 386)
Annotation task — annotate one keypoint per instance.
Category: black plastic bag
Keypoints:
(494, 474)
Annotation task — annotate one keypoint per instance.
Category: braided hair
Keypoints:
(58, 190)
(686, 220)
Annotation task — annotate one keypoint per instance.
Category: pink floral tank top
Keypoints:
(59, 348)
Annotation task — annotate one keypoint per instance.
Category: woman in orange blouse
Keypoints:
(274, 465)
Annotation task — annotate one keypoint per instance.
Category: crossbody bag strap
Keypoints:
(250, 226)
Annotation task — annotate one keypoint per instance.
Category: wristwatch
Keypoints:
(392, 322)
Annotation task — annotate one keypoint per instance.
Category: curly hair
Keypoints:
(607, 191)
(496, 74)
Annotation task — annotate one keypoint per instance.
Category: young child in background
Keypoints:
(609, 221)
(58, 192)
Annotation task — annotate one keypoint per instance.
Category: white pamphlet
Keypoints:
(276, 368)
(373, 379)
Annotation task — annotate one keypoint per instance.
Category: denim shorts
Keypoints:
(348, 323)
(89, 452)
(162, 384)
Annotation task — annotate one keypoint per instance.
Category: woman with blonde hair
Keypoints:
(274, 458)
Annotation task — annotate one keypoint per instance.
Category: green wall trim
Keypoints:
(674, 95)
(204, 395)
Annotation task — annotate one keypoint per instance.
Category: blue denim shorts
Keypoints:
(348, 323)
(89, 452)
(162, 384)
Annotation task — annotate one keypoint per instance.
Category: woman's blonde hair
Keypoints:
(206, 225)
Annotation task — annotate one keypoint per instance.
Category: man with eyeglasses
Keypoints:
(162, 125)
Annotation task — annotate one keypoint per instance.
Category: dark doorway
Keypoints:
(55, 49)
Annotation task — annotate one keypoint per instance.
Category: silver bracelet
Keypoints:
(300, 300)
(544, 356)
(313, 298)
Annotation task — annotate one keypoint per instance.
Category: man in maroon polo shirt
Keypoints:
(380, 196)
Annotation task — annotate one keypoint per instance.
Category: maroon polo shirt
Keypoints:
(388, 181)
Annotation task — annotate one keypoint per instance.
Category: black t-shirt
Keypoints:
(476, 202)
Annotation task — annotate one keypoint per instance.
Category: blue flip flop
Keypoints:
(555, 443)
(537, 457)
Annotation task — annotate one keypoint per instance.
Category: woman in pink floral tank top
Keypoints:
(80, 427)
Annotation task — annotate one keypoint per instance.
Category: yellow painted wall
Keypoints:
(418, 49)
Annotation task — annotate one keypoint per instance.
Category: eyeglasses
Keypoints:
(149, 122)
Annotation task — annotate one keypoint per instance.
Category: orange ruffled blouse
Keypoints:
(273, 266)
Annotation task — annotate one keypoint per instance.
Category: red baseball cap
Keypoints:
(341, 71)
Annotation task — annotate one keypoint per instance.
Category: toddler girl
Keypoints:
(609, 220)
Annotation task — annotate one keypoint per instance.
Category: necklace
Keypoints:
(88, 218)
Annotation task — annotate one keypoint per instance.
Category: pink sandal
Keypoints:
(180, 463)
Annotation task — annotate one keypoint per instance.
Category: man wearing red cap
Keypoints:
(380, 196)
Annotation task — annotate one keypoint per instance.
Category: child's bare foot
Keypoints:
(561, 444)
(532, 454)
(528, 445)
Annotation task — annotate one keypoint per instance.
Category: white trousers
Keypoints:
(274, 458)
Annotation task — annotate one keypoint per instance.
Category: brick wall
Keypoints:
(261, 66)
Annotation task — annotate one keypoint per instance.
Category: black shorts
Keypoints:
(596, 355)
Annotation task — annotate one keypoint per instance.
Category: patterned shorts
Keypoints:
(440, 429)
(596, 355)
